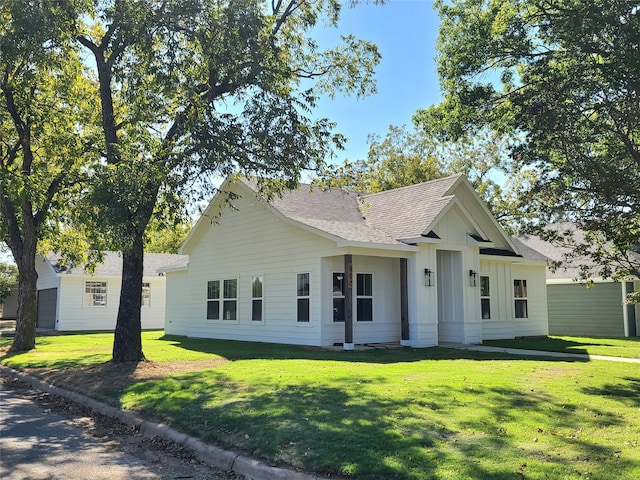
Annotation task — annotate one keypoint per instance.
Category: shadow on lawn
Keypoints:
(557, 344)
(237, 350)
(628, 393)
(345, 430)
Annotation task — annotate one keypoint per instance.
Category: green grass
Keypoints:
(614, 347)
(393, 414)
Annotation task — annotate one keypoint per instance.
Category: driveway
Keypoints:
(44, 438)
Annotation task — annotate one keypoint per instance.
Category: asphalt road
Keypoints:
(38, 443)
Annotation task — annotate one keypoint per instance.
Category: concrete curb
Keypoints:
(208, 454)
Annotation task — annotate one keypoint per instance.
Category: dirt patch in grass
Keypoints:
(94, 379)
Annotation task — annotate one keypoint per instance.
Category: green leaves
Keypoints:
(560, 79)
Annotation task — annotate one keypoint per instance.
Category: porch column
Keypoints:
(348, 303)
(625, 309)
(404, 304)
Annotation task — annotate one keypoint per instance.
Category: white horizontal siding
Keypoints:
(47, 277)
(385, 326)
(247, 242)
(176, 306)
(74, 315)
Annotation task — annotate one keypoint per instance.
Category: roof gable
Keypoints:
(391, 218)
(408, 212)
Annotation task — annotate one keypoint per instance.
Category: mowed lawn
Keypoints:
(377, 414)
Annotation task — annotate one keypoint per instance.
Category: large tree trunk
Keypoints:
(25, 336)
(127, 344)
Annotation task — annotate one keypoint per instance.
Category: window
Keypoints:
(230, 300)
(485, 297)
(213, 300)
(338, 297)
(520, 297)
(303, 297)
(146, 294)
(256, 298)
(364, 297)
(95, 294)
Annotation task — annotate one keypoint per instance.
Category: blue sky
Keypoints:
(405, 32)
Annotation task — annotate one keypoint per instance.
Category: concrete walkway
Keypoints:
(538, 353)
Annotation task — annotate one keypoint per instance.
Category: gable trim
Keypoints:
(463, 180)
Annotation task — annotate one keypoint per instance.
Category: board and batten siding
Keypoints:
(537, 322)
(500, 325)
(577, 310)
(250, 241)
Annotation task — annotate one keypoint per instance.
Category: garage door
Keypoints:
(47, 300)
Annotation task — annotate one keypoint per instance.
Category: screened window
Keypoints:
(257, 284)
(364, 297)
(213, 300)
(338, 297)
(302, 294)
(520, 298)
(146, 294)
(95, 294)
(485, 297)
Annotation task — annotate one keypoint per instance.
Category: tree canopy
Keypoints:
(8, 278)
(46, 108)
(562, 79)
(406, 157)
(196, 88)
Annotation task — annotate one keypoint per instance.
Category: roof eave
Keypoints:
(400, 247)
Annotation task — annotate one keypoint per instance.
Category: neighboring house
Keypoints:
(419, 265)
(71, 299)
(9, 308)
(574, 309)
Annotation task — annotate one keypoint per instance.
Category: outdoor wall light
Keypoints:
(473, 278)
(427, 278)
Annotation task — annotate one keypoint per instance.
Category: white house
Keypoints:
(419, 265)
(598, 310)
(71, 299)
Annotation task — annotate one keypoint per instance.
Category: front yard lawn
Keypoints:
(613, 347)
(377, 414)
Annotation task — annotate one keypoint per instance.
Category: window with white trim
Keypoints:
(485, 297)
(213, 300)
(95, 294)
(364, 297)
(521, 302)
(302, 297)
(146, 294)
(230, 299)
(338, 297)
(257, 285)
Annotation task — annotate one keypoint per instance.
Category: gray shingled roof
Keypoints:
(408, 211)
(527, 251)
(570, 268)
(112, 265)
(383, 218)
